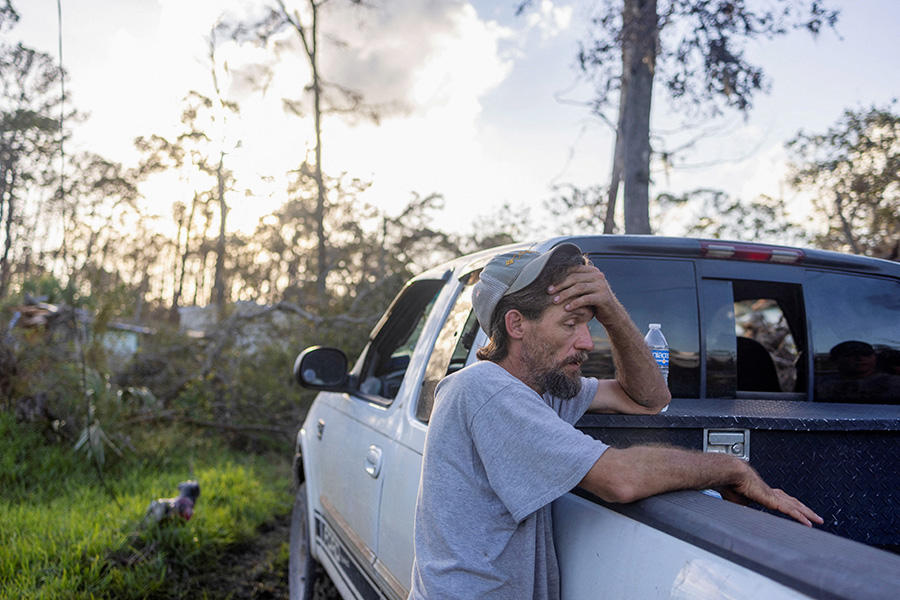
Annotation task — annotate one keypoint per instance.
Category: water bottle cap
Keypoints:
(655, 326)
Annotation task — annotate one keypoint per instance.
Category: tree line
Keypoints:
(75, 222)
(72, 229)
(77, 225)
(73, 233)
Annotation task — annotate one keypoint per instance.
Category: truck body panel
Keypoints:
(596, 536)
(690, 545)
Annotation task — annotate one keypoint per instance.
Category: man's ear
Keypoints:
(515, 324)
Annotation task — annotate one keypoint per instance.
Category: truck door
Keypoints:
(454, 348)
(354, 435)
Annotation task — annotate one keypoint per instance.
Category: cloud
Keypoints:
(550, 19)
(437, 59)
(406, 53)
(444, 62)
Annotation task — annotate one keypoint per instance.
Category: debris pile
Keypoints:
(180, 506)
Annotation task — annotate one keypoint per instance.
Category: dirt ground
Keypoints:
(259, 570)
(254, 571)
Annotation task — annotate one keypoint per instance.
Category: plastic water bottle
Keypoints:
(660, 349)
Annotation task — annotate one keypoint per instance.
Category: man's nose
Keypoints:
(584, 341)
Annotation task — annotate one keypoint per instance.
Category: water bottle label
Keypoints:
(661, 357)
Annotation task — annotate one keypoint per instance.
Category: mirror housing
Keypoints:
(322, 368)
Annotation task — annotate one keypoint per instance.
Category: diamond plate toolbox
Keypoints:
(842, 460)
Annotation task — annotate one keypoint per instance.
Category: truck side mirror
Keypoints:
(322, 368)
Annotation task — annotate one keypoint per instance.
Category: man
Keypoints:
(501, 445)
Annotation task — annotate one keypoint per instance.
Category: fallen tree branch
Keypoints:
(226, 330)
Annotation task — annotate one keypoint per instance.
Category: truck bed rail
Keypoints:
(812, 562)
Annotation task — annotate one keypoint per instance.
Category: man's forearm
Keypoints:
(636, 370)
(626, 475)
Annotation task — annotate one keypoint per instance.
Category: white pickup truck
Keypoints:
(758, 339)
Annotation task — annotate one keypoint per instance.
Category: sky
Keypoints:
(492, 110)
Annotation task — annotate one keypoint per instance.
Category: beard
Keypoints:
(549, 376)
(558, 384)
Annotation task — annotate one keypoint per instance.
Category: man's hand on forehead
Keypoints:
(585, 286)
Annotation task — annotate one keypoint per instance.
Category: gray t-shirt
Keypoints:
(496, 455)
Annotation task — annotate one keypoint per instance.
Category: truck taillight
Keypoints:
(749, 252)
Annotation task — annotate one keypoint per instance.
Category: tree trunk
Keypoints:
(322, 265)
(639, 47)
(845, 225)
(8, 227)
(176, 280)
(609, 223)
(220, 246)
(312, 52)
(310, 39)
(181, 273)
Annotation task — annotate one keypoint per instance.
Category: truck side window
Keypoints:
(754, 338)
(721, 345)
(856, 340)
(770, 337)
(395, 337)
(764, 343)
(654, 291)
(451, 350)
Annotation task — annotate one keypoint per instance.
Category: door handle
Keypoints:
(735, 442)
(373, 461)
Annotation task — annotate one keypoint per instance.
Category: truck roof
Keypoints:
(651, 245)
(681, 247)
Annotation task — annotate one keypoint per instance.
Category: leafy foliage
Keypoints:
(715, 214)
(701, 56)
(28, 129)
(853, 170)
(578, 210)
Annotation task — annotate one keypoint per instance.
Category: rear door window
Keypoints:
(762, 323)
(654, 291)
(452, 350)
(856, 337)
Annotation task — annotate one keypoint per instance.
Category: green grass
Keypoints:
(63, 535)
